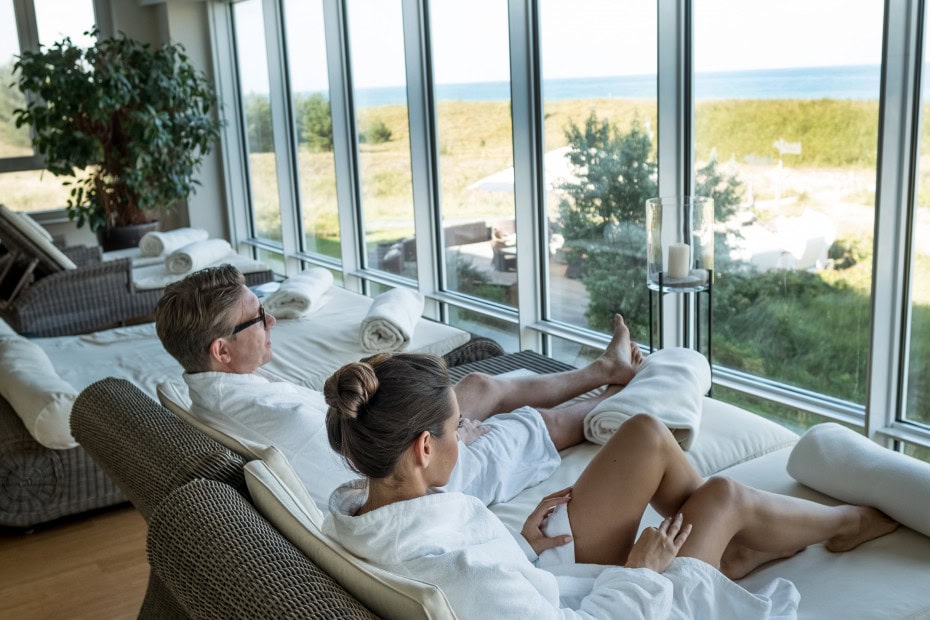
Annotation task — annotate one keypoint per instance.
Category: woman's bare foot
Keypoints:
(636, 356)
(738, 561)
(871, 524)
(618, 356)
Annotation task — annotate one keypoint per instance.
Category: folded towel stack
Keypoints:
(197, 255)
(157, 243)
(669, 385)
(300, 294)
(391, 320)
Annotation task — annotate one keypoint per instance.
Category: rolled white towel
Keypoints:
(841, 463)
(197, 255)
(300, 294)
(157, 243)
(669, 385)
(391, 320)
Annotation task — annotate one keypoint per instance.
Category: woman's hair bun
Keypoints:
(349, 389)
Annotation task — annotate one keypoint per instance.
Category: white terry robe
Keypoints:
(453, 541)
(515, 454)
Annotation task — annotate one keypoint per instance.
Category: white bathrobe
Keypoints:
(453, 541)
(515, 454)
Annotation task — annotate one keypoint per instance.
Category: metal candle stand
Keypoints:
(662, 292)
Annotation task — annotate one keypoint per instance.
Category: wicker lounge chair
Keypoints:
(45, 291)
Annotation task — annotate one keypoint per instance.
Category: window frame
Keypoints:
(881, 416)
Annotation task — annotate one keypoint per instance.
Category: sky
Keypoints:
(579, 38)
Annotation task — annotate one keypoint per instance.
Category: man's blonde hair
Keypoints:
(194, 312)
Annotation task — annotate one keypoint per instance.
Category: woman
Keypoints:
(394, 418)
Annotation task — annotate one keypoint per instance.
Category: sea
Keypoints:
(845, 82)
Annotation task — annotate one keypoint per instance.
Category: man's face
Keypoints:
(251, 347)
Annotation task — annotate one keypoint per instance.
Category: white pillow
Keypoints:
(730, 436)
(177, 401)
(841, 463)
(41, 398)
(282, 499)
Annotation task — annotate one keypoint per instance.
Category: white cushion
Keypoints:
(42, 247)
(41, 398)
(35, 226)
(279, 496)
(843, 464)
(730, 436)
(176, 400)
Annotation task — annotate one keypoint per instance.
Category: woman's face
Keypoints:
(446, 447)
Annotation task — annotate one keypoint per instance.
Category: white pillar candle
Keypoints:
(679, 260)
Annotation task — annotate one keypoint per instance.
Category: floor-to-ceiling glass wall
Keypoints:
(598, 66)
(786, 141)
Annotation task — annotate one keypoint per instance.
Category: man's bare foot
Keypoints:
(618, 357)
(872, 524)
(738, 561)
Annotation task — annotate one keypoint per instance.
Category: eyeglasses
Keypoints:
(260, 318)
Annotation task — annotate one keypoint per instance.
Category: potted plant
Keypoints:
(127, 122)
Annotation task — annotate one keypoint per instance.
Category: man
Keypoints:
(221, 335)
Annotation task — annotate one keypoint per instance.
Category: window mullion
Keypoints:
(232, 144)
(898, 122)
(674, 137)
(527, 157)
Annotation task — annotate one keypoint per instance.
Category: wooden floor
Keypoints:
(86, 567)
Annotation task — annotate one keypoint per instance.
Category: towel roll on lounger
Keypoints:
(390, 321)
(197, 255)
(300, 294)
(157, 243)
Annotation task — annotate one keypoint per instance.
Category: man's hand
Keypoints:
(470, 430)
(532, 529)
(657, 547)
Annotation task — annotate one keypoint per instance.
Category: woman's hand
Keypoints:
(469, 430)
(532, 529)
(657, 547)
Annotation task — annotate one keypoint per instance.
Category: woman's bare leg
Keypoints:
(640, 465)
(481, 396)
(724, 511)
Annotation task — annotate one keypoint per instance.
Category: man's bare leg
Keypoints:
(481, 396)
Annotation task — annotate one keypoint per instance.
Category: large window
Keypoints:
(379, 88)
(24, 185)
(428, 134)
(260, 137)
(475, 145)
(786, 141)
(310, 101)
(598, 67)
